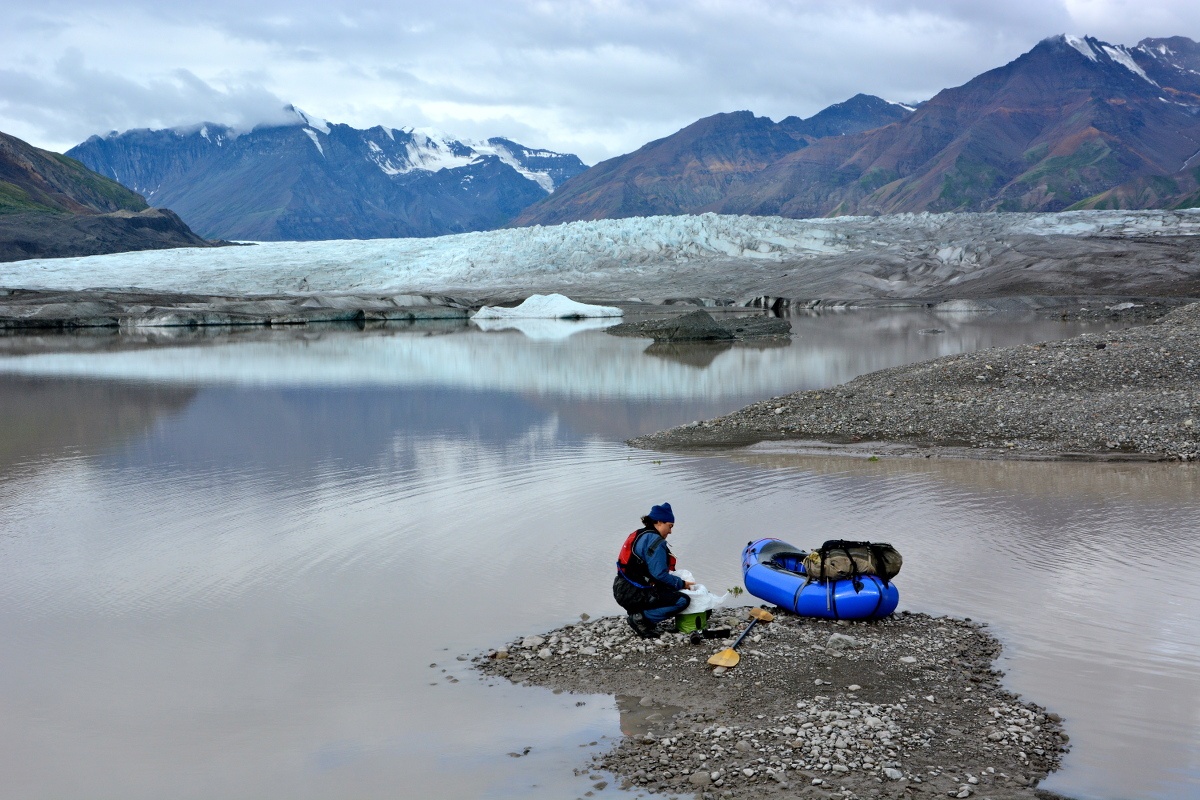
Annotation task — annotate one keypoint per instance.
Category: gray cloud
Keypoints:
(75, 101)
(596, 77)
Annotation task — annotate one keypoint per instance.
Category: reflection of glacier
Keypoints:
(603, 253)
(588, 365)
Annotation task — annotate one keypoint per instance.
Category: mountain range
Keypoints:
(701, 165)
(315, 180)
(51, 206)
(1073, 123)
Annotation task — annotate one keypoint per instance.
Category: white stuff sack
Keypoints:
(701, 598)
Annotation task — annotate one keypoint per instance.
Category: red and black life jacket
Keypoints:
(632, 567)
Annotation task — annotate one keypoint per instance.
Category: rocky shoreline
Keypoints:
(130, 309)
(1126, 395)
(906, 707)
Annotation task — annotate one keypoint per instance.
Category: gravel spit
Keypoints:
(909, 706)
(1131, 394)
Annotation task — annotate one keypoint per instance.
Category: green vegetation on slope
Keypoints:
(103, 189)
(15, 200)
(1094, 163)
(969, 182)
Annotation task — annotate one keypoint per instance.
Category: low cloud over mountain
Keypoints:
(310, 179)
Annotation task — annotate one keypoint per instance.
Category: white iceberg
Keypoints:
(547, 306)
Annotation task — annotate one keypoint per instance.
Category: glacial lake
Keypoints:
(253, 565)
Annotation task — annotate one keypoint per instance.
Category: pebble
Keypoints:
(760, 727)
(1129, 395)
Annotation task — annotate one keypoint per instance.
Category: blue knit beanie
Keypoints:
(662, 513)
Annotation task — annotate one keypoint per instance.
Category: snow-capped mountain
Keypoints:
(313, 179)
(1074, 122)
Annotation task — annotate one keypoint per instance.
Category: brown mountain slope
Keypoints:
(1041, 133)
(697, 166)
(53, 206)
(1173, 63)
(38, 180)
(1069, 120)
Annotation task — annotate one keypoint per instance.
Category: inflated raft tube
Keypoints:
(773, 570)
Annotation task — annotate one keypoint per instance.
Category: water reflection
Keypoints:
(823, 351)
(76, 417)
(1081, 570)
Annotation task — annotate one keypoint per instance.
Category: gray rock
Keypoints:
(840, 641)
(694, 326)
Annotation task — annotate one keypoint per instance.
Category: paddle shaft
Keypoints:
(753, 622)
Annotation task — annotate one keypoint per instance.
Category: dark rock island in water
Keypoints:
(904, 707)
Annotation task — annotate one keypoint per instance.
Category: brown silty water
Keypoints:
(250, 569)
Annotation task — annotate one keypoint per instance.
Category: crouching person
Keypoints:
(644, 585)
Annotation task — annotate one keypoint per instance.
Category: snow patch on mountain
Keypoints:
(313, 135)
(433, 150)
(508, 157)
(1081, 44)
(1122, 57)
(1093, 50)
(316, 123)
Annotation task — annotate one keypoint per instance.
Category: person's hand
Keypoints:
(689, 584)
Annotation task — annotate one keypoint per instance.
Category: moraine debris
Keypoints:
(906, 707)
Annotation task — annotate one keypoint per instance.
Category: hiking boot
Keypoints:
(642, 626)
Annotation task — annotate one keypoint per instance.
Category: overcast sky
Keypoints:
(593, 77)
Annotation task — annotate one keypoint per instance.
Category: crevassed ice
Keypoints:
(578, 252)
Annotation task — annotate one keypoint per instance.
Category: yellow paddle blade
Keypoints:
(760, 614)
(726, 658)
